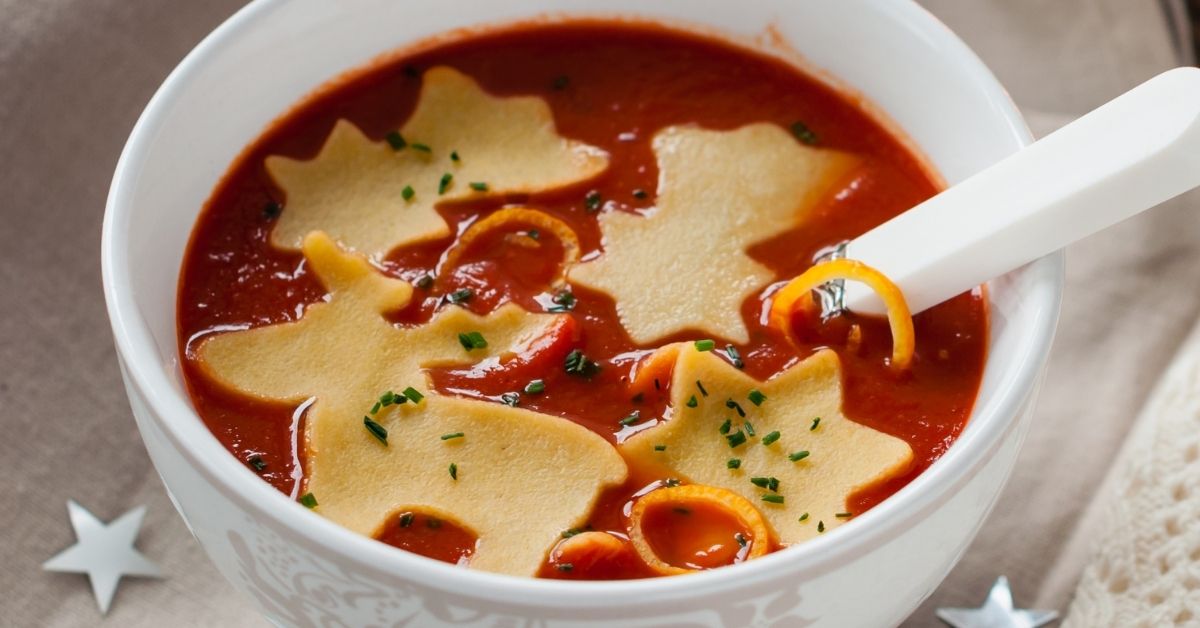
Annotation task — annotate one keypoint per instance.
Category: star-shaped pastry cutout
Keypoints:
(459, 143)
(105, 552)
(789, 429)
(511, 465)
(997, 612)
(683, 265)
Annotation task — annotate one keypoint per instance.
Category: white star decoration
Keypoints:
(104, 552)
(997, 612)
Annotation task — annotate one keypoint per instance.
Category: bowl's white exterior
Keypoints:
(303, 570)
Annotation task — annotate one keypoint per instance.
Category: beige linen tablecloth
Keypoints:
(75, 73)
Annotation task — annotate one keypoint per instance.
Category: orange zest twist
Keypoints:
(514, 216)
(695, 494)
(797, 293)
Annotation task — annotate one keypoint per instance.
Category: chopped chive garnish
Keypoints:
(563, 302)
(705, 345)
(816, 422)
(421, 147)
(272, 210)
(772, 498)
(452, 436)
(406, 519)
(408, 193)
(771, 483)
(571, 532)
(759, 482)
(736, 407)
(633, 417)
(770, 438)
(564, 566)
(733, 463)
(413, 395)
(756, 397)
(741, 539)
(478, 186)
(560, 83)
(672, 482)
(454, 156)
(820, 526)
(736, 439)
(578, 364)
(424, 281)
(510, 399)
(395, 140)
(640, 193)
(453, 471)
(533, 234)
(256, 461)
(375, 408)
(376, 430)
(803, 133)
(462, 295)
(444, 183)
(749, 428)
(797, 456)
(703, 393)
(591, 201)
(309, 500)
(724, 429)
(692, 402)
(472, 340)
(804, 517)
(660, 448)
(844, 515)
(734, 356)
(535, 387)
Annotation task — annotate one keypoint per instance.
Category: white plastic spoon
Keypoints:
(1129, 155)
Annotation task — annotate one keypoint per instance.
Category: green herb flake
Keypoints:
(749, 427)
(736, 407)
(844, 515)
(452, 436)
(692, 402)
(741, 539)
(453, 471)
(734, 356)
(395, 140)
(700, 387)
(563, 302)
(376, 408)
(421, 147)
(756, 397)
(769, 483)
(770, 438)
(577, 363)
(571, 532)
(797, 456)
(815, 423)
(772, 498)
(535, 387)
(413, 395)
(672, 482)
(724, 429)
(510, 399)
(733, 463)
(462, 295)
(736, 439)
(406, 519)
(472, 340)
(821, 526)
(257, 462)
(803, 133)
(633, 417)
(804, 517)
(660, 448)
(705, 345)
(478, 186)
(592, 200)
(533, 234)
(444, 183)
(424, 281)
(454, 156)
(408, 193)
(309, 500)
(376, 430)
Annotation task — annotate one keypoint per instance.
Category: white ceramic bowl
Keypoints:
(303, 570)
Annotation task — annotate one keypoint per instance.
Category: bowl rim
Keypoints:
(173, 412)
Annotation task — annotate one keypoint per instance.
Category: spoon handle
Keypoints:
(1125, 157)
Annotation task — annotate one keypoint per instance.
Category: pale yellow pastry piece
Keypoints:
(684, 266)
(522, 477)
(843, 456)
(354, 188)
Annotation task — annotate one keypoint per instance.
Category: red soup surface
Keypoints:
(612, 85)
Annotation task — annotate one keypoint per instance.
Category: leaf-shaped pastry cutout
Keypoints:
(684, 265)
(522, 477)
(842, 456)
(354, 189)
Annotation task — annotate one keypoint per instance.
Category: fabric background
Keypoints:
(74, 74)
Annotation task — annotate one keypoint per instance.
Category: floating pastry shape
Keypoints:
(485, 464)
(459, 143)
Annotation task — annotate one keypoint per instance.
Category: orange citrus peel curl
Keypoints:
(510, 217)
(692, 494)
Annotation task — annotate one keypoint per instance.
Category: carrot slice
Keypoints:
(691, 495)
(797, 293)
(512, 217)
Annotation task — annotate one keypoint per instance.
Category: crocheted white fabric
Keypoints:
(1146, 567)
